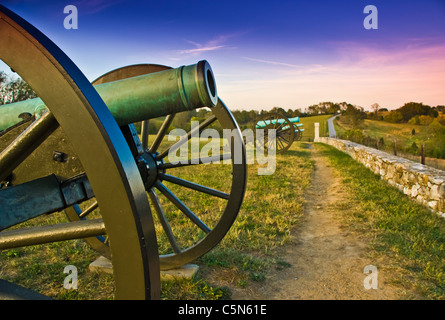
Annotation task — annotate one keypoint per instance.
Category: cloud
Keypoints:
(411, 54)
(212, 45)
(94, 6)
(277, 63)
(292, 69)
(357, 73)
(200, 49)
(215, 44)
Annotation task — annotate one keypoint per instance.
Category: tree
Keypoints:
(20, 90)
(435, 145)
(411, 109)
(414, 120)
(394, 116)
(333, 108)
(355, 135)
(183, 119)
(353, 115)
(313, 109)
(293, 113)
(13, 90)
(253, 114)
(414, 149)
(278, 110)
(2, 77)
(2, 87)
(374, 113)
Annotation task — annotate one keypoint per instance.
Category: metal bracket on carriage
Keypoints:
(41, 196)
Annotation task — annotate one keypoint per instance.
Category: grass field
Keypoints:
(402, 132)
(408, 145)
(308, 125)
(401, 231)
(272, 207)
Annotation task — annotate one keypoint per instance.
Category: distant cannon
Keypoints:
(76, 149)
(287, 130)
(298, 131)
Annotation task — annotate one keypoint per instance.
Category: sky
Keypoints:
(289, 54)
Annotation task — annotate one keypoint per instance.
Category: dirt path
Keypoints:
(327, 262)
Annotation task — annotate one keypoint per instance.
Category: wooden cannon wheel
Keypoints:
(285, 132)
(76, 107)
(298, 134)
(168, 184)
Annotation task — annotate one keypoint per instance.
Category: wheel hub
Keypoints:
(148, 167)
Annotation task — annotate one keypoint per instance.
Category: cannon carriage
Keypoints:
(75, 149)
(287, 130)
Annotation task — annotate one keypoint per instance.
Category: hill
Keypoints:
(308, 125)
(406, 137)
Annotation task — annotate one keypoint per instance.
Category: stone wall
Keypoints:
(423, 183)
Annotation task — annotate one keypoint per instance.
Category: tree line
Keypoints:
(411, 112)
(13, 89)
(415, 113)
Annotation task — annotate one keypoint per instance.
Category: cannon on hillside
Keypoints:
(75, 149)
(287, 130)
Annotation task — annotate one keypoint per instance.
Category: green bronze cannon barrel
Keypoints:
(265, 123)
(140, 98)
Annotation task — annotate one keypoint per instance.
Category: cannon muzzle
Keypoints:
(140, 98)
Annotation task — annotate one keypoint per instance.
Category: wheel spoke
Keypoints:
(279, 125)
(162, 132)
(88, 210)
(265, 139)
(194, 186)
(191, 162)
(282, 137)
(107, 240)
(181, 206)
(272, 144)
(164, 221)
(186, 138)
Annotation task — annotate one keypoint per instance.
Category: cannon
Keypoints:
(75, 149)
(298, 128)
(287, 130)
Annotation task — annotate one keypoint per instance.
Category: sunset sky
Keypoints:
(290, 54)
